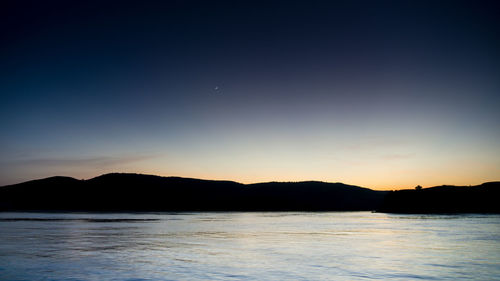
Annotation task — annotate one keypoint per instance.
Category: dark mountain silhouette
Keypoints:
(482, 198)
(144, 193)
(134, 192)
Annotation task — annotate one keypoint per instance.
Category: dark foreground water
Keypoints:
(249, 246)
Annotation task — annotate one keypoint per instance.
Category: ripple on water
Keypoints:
(249, 246)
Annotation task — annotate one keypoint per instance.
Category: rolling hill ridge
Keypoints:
(118, 192)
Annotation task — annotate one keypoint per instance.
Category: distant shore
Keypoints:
(147, 193)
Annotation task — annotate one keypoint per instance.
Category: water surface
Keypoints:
(249, 246)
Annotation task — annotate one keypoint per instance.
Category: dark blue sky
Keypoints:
(383, 94)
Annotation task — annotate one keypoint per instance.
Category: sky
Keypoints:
(380, 94)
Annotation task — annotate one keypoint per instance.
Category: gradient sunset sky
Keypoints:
(381, 94)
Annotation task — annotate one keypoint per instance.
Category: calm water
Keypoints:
(249, 246)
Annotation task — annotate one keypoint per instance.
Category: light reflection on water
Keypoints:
(248, 246)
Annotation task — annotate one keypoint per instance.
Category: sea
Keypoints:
(249, 246)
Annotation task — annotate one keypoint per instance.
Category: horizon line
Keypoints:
(251, 183)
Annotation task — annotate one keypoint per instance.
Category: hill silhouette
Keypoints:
(147, 193)
(444, 199)
(135, 192)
